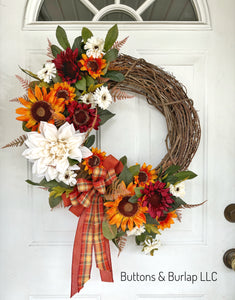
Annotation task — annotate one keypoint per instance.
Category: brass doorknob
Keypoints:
(229, 213)
(229, 259)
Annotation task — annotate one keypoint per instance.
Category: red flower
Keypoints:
(67, 66)
(82, 116)
(157, 198)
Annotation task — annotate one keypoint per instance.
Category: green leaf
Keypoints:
(109, 231)
(86, 34)
(81, 84)
(135, 170)
(111, 55)
(90, 141)
(72, 162)
(89, 81)
(49, 184)
(126, 175)
(171, 179)
(123, 160)
(62, 37)
(151, 228)
(141, 238)
(138, 191)
(172, 169)
(133, 199)
(104, 115)
(29, 73)
(185, 175)
(77, 44)
(57, 191)
(24, 127)
(150, 220)
(54, 201)
(177, 203)
(115, 76)
(55, 50)
(111, 37)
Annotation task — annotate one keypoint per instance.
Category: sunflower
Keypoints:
(123, 213)
(145, 176)
(157, 198)
(65, 91)
(96, 160)
(40, 107)
(166, 220)
(94, 66)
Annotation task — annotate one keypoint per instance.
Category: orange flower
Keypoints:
(40, 107)
(94, 66)
(123, 213)
(64, 91)
(145, 176)
(96, 160)
(167, 220)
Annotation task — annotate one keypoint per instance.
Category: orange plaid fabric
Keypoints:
(89, 233)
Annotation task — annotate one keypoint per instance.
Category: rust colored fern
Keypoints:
(16, 142)
(118, 45)
(118, 94)
(192, 205)
(17, 99)
(121, 243)
(49, 52)
(24, 83)
(116, 189)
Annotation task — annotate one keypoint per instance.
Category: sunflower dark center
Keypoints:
(62, 94)
(126, 208)
(80, 117)
(94, 161)
(155, 199)
(93, 65)
(41, 111)
(143, 177)
(162, 218)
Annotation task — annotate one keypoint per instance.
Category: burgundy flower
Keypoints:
(67, 66)
(82, 116)
(157, 198)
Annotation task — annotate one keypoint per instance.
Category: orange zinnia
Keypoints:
(65, 91)
(167, 220)
(94, 66)
(40, 107)
(145, 176)
(94, 161)
(123, 213)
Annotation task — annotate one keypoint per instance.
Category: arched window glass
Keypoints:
(117, 10)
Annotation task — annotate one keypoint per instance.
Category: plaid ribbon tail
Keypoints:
(88, 236)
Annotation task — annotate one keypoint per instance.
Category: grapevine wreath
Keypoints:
(69, 98)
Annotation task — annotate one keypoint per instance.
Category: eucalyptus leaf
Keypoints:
(24, 127)
(86, 34)
(29, 73)
(55, 50)
(111, 37)
(185, 175)
(138, 191)
(150, 220)
(62, 37)
(90, 141)
(172, 169)
(77, 44)
(111, 55)
(54, 201)
(135, 170)
(81, 84)
(177, 203)
(104, 115)
(72, 162)
(109, 231)
(133, 199)
(89, 81)
(123, 160)
(115, 76)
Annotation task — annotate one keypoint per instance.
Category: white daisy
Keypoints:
(136, 231)
(69, 177)
(88, 99)
(150, 245)
(47, 73)
(178, 190)
(50, 149)
(94, 47)
(103, 97)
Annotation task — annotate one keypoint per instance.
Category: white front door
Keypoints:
(36, 243)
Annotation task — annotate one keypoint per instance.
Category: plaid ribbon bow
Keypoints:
(87, 202)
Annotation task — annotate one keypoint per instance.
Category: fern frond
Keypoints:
(118, 94)
(49, 52)
(192, 205)
(116, 189)
(16, 142)
(103, 80)
(179, 214)
(17, 99)
(118, 45)
(121, 243)
(24, 83)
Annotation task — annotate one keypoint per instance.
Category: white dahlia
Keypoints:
(88, 99)
(94, 47)
(49, 150)
(48, 72)
(136, 231)
(178, 190)
(103, 97)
